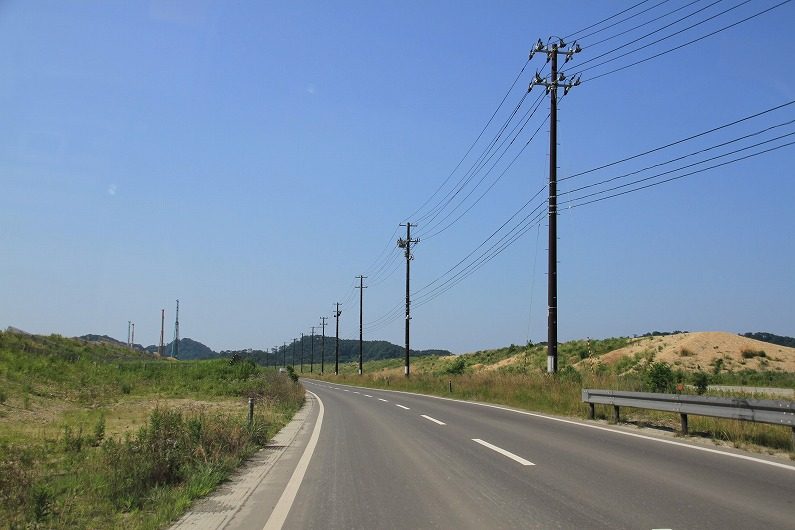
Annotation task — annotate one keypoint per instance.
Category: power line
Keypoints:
(677, 142)
(477, 139)
(494, 233)
(495, 250)
(686, 43)
(645, 179)
(630, 8)
(700, 151)
(657, 31)
(678, 177)
(582, 37)
(467, 177)
(530, 114)
(591, 45)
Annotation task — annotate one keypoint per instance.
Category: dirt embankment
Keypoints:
(702, 350)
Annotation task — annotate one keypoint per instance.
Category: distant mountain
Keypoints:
(349, 351)
(772, 338)
(189, 349)
(101, 338)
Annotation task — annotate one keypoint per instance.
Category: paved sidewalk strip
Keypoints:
(216, 510)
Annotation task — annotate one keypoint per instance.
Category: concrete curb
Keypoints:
(217, 510)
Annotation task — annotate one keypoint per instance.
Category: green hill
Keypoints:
(372, 350)
(772, 338)
(188, 350)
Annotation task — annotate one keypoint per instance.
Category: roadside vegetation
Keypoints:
(515, 376)
(95, 436)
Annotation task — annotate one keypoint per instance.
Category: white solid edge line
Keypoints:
(433, 419)
(401, 406)
(504, 452)
(279, 513)
(600, 428)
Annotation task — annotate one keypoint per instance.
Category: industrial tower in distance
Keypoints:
(175, 344)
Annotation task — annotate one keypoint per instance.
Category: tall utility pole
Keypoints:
(132, 337)
(312, 351)
(406, 244)
(275, 353)
(337, 314)
(129, 324)
(361, 288)
(293, 363)
(302, 353)
(555, 46)
(175, 344)
(323, 344)
(284, 354)
(161, 349)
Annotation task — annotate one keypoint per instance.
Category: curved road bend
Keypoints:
(395, 460)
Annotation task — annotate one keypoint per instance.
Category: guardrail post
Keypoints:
(615, 413)
(684, 423)
(250, 411)
(591, 411)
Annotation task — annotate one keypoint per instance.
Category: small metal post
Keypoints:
(450, 386)
(615, 413)
(684, 423)
(250, 411)
(591, 411)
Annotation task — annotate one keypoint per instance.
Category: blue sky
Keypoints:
(252, 159)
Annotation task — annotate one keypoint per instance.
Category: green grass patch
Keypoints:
(96, 436)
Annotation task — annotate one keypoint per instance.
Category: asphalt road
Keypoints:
(395, 460)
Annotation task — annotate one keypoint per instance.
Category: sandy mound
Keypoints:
(701, 350)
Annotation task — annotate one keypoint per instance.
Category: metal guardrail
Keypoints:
(774, 411)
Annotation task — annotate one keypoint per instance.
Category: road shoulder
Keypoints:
(247, 499)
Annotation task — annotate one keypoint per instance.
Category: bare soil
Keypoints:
(701, 350)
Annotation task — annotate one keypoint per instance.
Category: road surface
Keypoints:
(395, 460)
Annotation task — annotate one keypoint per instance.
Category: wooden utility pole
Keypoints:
(406, 244)
(555, 47)
(361, 288)
(337, 314)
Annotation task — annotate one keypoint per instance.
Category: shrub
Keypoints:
(701, 382)
(750, 354)
(456, 367)
(99, 431)
(73, 442)
(569, 373)
(659, 377)
(717, 366)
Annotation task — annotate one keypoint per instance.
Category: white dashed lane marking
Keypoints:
(504, 452)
